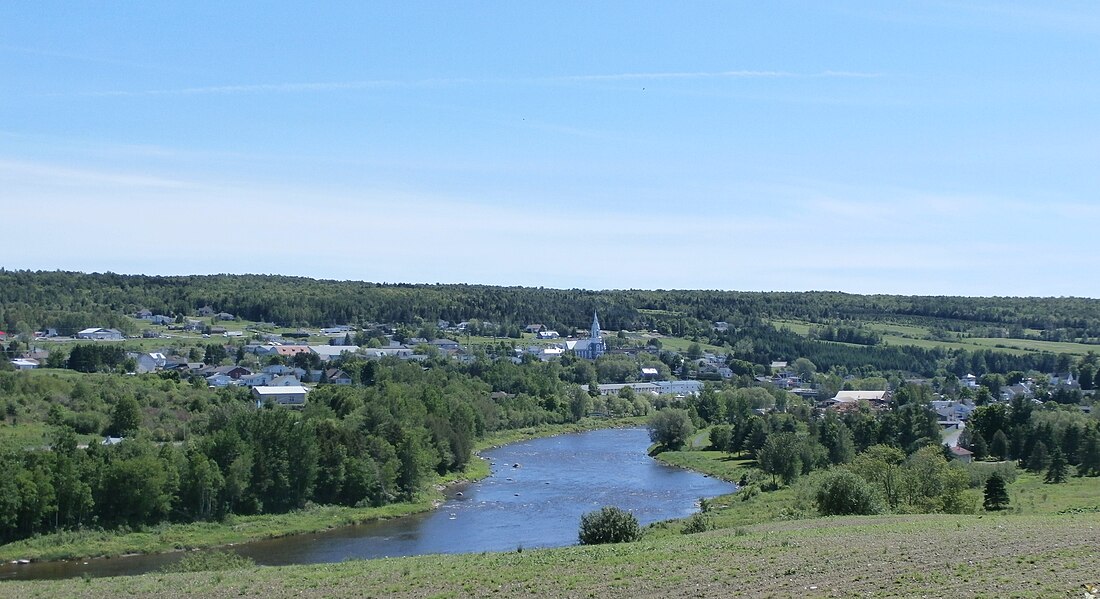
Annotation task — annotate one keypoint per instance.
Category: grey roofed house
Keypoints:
(445, 344)
(285, 380)
(328, 352)
(337, 376)
(287, 396)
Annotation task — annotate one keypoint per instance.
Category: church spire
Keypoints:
(595, 333)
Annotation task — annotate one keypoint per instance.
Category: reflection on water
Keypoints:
(534, 498)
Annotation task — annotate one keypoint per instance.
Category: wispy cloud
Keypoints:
(338, 86)
(740, 74)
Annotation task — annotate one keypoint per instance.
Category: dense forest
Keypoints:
(66, 300)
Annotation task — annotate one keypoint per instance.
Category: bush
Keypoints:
(697, 523)
(608, 525)
(844, 493)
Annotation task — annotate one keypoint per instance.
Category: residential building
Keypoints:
(100, 334)
(286, 396)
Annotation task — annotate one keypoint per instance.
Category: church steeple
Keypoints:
(595, 333)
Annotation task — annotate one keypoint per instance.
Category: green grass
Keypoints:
(912, 335)
(1030, 495)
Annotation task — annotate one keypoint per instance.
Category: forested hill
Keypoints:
(69, 300)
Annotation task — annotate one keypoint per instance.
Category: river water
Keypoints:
(534, 498)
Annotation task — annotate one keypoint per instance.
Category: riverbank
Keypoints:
(235, 530)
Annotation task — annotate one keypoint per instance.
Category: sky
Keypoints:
(931, 148)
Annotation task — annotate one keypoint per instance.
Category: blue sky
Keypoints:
(868, 147)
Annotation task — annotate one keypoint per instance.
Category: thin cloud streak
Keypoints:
(337, 86)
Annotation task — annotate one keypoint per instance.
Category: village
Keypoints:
(283, 367)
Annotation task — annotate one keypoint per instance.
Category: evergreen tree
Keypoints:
(996, 495)
(999, 447)
(1089, 455)
(1039, 458)
(979, 446)
(1056, 474)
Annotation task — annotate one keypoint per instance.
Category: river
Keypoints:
(534, 498)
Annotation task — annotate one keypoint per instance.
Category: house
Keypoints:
(143, 314)
(533, 328)
(161, 319)
(382, 352)
(337, 377)
(42, 333)
(951, 412)
(207, 311)
(289, 351)
(194, 325)
(224, 316)
(150, 362)
(337, 330)
(24, 364)
(962, 454)
(721, 326)
(444, 344)
(259, 379)
(219, 380)
(284, 396)
(279, 370)
(650, 373)
(853, 398)
(233, 372)
(1064, 380)
(328, 352)
(548, 335)
(285, 380)
(100, 334)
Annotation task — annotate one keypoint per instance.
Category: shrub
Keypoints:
(205, 561)
(697, 523)
(844, 493)
(608, 525)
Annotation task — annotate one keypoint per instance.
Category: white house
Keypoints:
(100, 334)
(219, 380)
(150, 362)
(24, 364)
(286, 396)
(260, 379)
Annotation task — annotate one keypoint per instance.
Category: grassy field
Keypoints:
(889, 556)
(898, 334)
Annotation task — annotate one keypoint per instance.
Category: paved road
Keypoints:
(951, 435)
